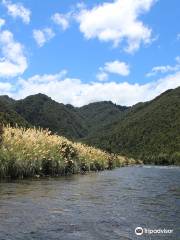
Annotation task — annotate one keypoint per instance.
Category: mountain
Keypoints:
(149, 131)
(74, 123)
(7, 100)
(10, 116)
(101, 114)
(42, 111)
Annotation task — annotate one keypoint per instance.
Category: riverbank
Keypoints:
(37, 153)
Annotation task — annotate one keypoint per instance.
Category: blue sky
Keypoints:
(78, 52)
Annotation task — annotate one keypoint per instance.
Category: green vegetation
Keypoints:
(100, 115)
(1, 134)
(42, 111)
(9, 116)
(66, 120)
(36, 152)
(149, 131)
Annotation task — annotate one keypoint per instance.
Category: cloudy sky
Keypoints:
(79, 52)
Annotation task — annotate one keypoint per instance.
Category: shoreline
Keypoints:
(50, 177)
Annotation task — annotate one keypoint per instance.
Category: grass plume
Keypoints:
(37, 152)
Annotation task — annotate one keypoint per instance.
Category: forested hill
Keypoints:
(74, 123)
(41, 110)
(101, 114)
(9, 116)
(149, 131)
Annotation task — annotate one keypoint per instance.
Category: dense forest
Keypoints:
(148, 131)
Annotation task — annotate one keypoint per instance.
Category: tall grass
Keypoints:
(37, 152)
(1, 133)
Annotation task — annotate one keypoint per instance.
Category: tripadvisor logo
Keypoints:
(139, 231)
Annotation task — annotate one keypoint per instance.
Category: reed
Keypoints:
(37, 152)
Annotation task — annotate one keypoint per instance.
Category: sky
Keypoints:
(78, 52)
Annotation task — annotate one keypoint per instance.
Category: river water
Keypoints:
(98, 206)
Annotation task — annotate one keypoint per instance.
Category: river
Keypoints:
(107, 205)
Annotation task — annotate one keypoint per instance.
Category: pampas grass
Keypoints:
(37, 152)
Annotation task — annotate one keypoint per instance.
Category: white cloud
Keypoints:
(117, 22)
(165, 69)
(2, 22)
(13, 62)
(61, 19)
(102, 76)
(72, 90)
(117, 67)
(18, 10)
(43, 36)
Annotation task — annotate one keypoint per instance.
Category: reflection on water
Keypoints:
(106, 205)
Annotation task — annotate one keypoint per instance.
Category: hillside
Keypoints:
(9, 116)
(66, 120)
(42, 111)
(149, 131)
(101, 114)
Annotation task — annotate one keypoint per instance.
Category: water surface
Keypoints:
(98, 206)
